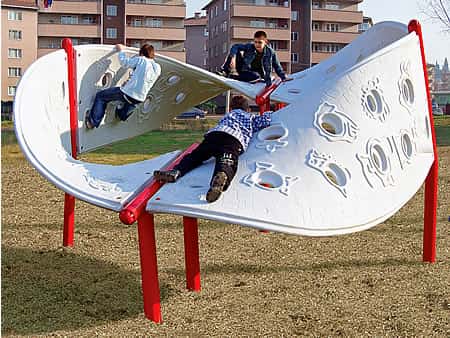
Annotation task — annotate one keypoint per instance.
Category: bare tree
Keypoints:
(438, 11)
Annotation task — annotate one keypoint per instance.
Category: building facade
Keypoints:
(19, 45)
(196, 40)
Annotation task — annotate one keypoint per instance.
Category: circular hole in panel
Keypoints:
(271, 133)
(371, 103)
(269, 179)
(63, 87)
(173, 79)
(336, 175)
(332, 124)
(378, 157)
(407, 145)
(408, 91)
(106, 80)
(147, 105)
(427, 126)
(180, 97)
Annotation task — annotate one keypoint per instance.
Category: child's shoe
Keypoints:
(217, 187)
(165, 176)
(87, 122)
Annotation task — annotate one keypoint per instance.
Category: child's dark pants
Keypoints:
(224, 147)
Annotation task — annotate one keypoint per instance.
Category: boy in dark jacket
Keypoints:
(225, 142)
(252, 62)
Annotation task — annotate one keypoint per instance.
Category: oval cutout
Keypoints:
(407, 146)
(180, 97)
(173, 79)
(269, 179)
(336, 175)
(374, 102)
(146, 106)
(106, 79)
(408, 91)
(332, 124)
(378, 158)
(272, 133)
(63, 87)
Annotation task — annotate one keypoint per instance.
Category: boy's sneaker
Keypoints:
(87, 122)
(165, 176)
(221, 72)
(217, 186)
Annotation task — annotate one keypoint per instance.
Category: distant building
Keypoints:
(19, 46)
(196, 40)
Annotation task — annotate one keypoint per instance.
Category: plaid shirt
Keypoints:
(242, 125)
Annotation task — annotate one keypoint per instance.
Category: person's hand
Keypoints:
(120, 47)
(233, 62)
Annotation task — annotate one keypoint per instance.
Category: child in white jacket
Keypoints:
(145, 73)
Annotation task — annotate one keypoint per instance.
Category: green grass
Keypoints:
(442, 127)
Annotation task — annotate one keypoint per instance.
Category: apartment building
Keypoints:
(131, 22)
(19, 45)
(196, 40)
(303, 32)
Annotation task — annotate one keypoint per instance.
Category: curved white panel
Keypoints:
(41, 118)
(357, 146)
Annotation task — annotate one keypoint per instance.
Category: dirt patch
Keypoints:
(367, 283)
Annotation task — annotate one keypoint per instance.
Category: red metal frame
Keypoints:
(191, 254)
(69, 200)
(263, 98)
(431, 182)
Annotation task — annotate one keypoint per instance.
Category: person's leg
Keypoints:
(188, 163)
(247, 76)
(125, 111)
(101, 100)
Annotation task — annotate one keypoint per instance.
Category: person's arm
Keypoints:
(277, 67)
(124, 60)
(261, 121)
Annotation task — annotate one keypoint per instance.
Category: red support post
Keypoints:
(431, 182)
(263, 98)
(69, 201)
(191, 254)
(149, 267)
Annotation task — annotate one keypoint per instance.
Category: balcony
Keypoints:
(246, 33)
(334, 37)
(337, 16)
(271, 3)
(284, 55)
(180, 56)
(152, 33)
(254, 11)
(85, 31)
(70, 7)
(176, 9)
(317, 57)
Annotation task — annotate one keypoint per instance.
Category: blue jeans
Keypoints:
(243, 75)
(107, 95)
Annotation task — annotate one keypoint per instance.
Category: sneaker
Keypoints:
(222, 73)
(87, 122)
(165, 176)
(234, 72)
(217, 186)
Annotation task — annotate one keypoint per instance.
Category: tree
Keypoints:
(438, 11)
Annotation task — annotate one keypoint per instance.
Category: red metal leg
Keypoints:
(69, 220)
(429, 222)
(149, 267)
(191, 254)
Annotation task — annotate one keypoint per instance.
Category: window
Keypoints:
(258, 23)
(294, 36)
(136, 23)
(315, 5)
(111, 10)
(205, 32)
(363, 27)
(332, 27)
(294, 15)
(316, 26)
(11, 90)
(14, 53)
(332, 5)
(294, 57)
(224, 26)
(224, 5)
(15, 35)
(87, 20)
(316, 47)
(14, 72)
(211, 14)
(205, 48)
(153, 22)
(14, 15)
(217, 11)
(111, 33)
(69, 20)
(224, 48)
(205, 61)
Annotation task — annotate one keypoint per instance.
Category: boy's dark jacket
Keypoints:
(269, 60)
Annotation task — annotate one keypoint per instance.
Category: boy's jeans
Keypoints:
(101, 100)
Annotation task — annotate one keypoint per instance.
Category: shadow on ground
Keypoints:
(47, 291)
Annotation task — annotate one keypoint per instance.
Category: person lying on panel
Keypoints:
(226, 141)
(134, 91)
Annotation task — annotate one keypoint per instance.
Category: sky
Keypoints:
(437, 43)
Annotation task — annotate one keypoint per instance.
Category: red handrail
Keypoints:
(134, 208)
